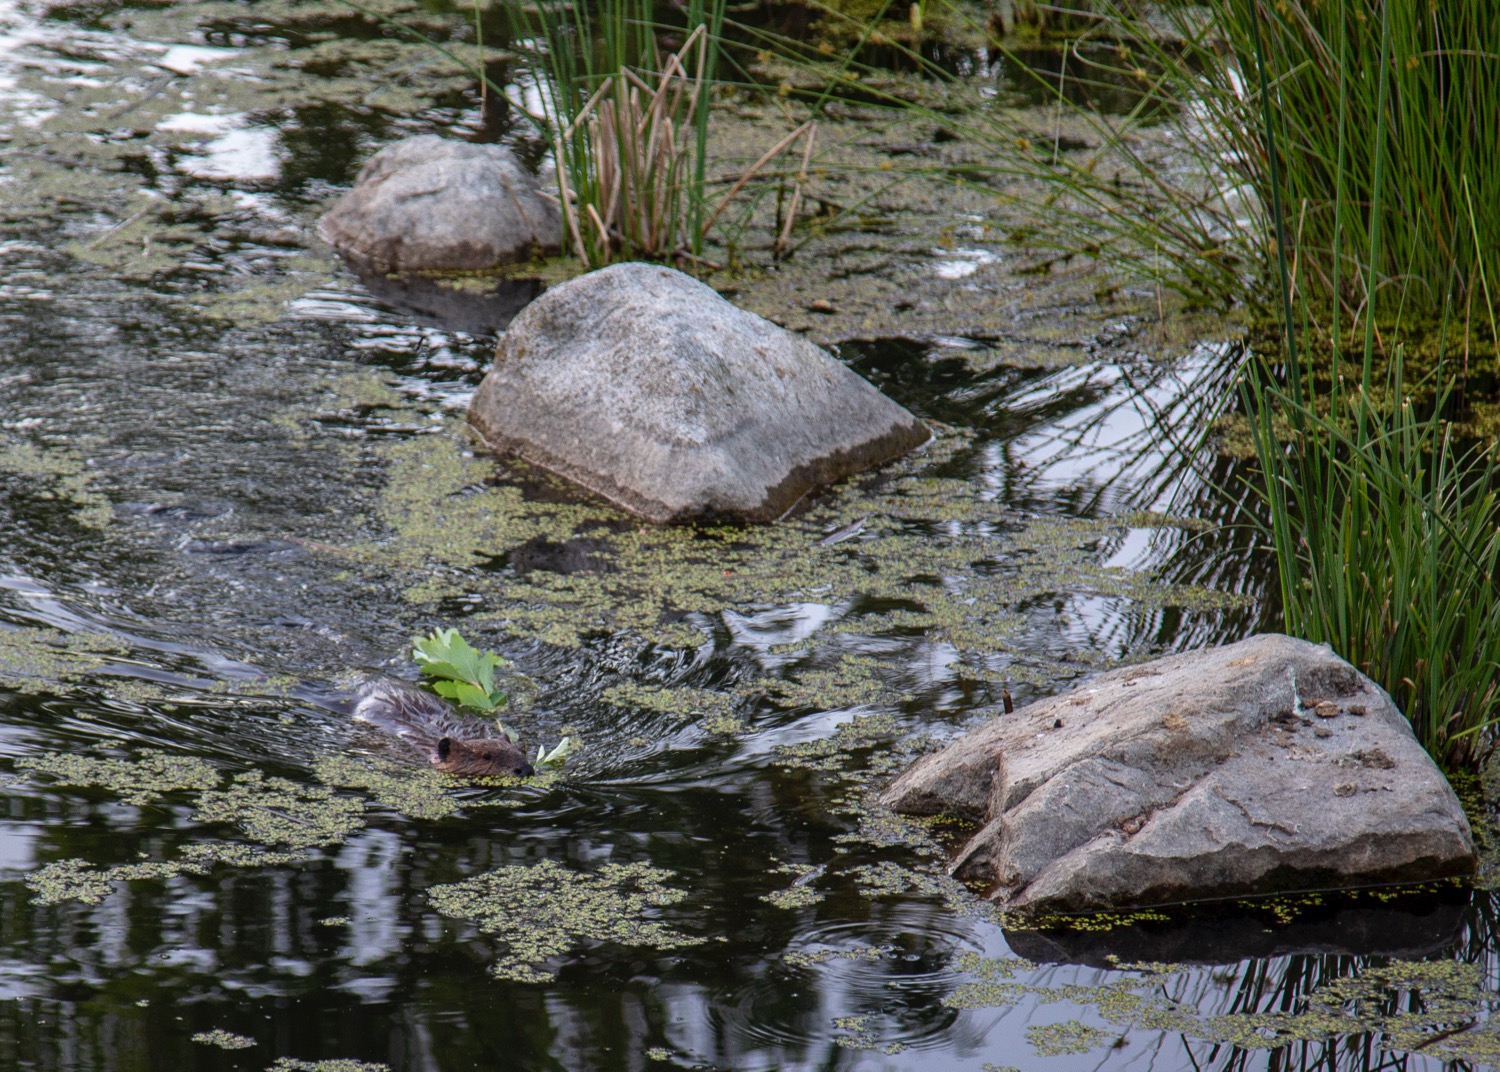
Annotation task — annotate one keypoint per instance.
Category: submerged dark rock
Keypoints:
(453, 744)
(453, 304)
(1418, 924)
(430, 204)
(1267, 766)
(645, 386)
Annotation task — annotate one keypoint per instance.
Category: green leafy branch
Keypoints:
(460, 672)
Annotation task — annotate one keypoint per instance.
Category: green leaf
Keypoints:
(559, 755)
(457, 659)
(444, 671)
(457, 670)
(465, 694)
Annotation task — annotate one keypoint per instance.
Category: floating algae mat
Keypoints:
(234, 476)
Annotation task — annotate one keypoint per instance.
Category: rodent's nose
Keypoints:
(527, 770)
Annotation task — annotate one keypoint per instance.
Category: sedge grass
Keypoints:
(1386, 528)
(1374, 123)
(630, 129)
(1387, 538)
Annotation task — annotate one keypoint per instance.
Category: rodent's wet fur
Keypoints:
(454, 744)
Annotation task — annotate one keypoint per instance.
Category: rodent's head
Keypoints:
(480, 758)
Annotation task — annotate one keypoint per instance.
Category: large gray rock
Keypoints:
(1266, 766)
(430, 204)
(645, 386)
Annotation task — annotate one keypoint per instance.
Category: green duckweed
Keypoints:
(540, 911)
(276, 812)
(793, 897)
(86, 883)
(224, 1040)
(1410, 1004)
(809, 958)
(413, 791)
(57, 473)
(32, 657)
(139, 781)
(1058, 1040)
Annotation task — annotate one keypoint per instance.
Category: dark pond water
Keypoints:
(231, 474)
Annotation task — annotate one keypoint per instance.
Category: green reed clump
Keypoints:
(1386, 529)
(1371, 103)
(1378, 103)
(629, 127)
(629, 124)
(1387, 539)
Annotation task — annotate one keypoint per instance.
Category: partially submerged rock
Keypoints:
(430, 204)
(647, 387)
(1266, 766)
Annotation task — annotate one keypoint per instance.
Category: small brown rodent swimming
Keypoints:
(455, 745)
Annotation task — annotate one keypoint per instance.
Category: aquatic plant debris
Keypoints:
(540, 911)
(237, 854)
(793, 897)
(274, 811)
(810, 958)
(139, 781)
(684, 703)
(337, 1064)
(32, 656)
(858, 757)
(889, 879)
(224, 1040)
(1070, 1036)
(801, 893)
(59, 473)
(937, 555)
(854, 681)
(832, 753)
(861, 1034)
(86, 883)
(417, 792)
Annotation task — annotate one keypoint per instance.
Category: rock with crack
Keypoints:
(647, 387)
(1267, 766)
(431, 204)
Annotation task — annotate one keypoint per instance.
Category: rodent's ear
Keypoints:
(443, 748)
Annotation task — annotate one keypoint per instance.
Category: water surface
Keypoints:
(232, 473)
